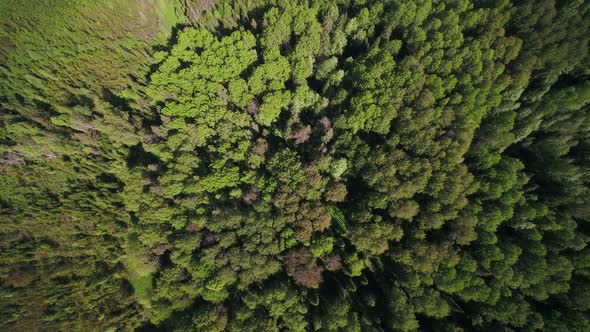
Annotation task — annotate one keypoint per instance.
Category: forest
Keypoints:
(295, 165)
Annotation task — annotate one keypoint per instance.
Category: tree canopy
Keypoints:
(229, 165)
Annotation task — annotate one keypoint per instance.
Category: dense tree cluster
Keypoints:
(370, 165)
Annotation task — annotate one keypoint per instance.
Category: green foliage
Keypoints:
(294, 165)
